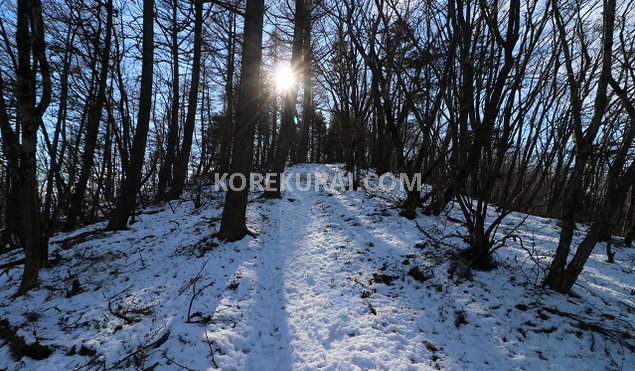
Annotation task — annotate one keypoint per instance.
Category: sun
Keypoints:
(285, 78)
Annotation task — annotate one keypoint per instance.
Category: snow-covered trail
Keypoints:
(306, 281)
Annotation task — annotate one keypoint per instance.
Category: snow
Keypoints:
(325, 285)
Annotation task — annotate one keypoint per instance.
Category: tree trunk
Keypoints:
(132, 182)
(560, 277)
(307, 104)
(22, 155)
(629, 223)
(11, 150)
(62, 112)
(165, 172)
(228, 122)
(288, 117)
(92, 128)
(233, 225)
(562, 280)
(180, 171)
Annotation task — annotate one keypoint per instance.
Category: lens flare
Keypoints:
(284, 78)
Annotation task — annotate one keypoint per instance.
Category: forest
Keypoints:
(122, 122)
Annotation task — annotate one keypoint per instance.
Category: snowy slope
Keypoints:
(325, 285)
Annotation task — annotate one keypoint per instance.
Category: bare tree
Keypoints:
(561, 277)
(20, 150)
(132, 183)
(92, 125)
(288, 117)
(233, 226)
(181, 166)
(166, 169)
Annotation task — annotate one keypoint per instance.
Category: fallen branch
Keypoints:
(178, 364)
(12, 264)
(68, 243)
(211, 350)
(143, 348)
(426, 233)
